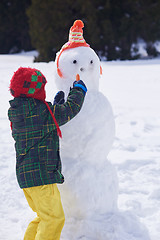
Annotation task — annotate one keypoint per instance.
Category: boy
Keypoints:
(35, 129)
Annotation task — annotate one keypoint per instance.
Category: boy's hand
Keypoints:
(80, 84)
(59, 98)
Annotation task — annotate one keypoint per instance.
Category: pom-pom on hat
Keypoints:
(76, 36)
(28, 82)
(75, 40)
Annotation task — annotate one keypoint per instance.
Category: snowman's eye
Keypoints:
(74, 61)
(91, 62)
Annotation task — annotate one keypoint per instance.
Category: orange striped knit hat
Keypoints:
(75, 40)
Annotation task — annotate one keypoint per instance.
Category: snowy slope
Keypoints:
(133, 90)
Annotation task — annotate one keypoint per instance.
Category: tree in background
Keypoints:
(14, 26)
(148, 23)
(49, 25)
(121, 23)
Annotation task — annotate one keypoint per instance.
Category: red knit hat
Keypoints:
(28, 82)
(75, 40)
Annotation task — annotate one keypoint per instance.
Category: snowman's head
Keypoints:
(76, 57)
(82, 61)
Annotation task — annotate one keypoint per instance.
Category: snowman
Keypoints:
(90, 191)
(91, 186)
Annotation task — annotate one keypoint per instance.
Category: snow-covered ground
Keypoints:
(133, 88)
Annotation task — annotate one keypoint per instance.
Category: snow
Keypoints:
(132, 88)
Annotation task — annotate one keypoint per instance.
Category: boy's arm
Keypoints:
(66, 111)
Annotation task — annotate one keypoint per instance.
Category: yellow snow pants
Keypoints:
(46, 202)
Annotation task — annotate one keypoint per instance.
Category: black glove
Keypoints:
(80, 84)
(59, 98)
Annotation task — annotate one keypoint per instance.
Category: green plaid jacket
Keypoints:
(36, 141)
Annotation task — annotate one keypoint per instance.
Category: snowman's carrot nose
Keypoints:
(77, 77)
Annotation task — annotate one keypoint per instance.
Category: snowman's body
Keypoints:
(90, 191)
(87, 139)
